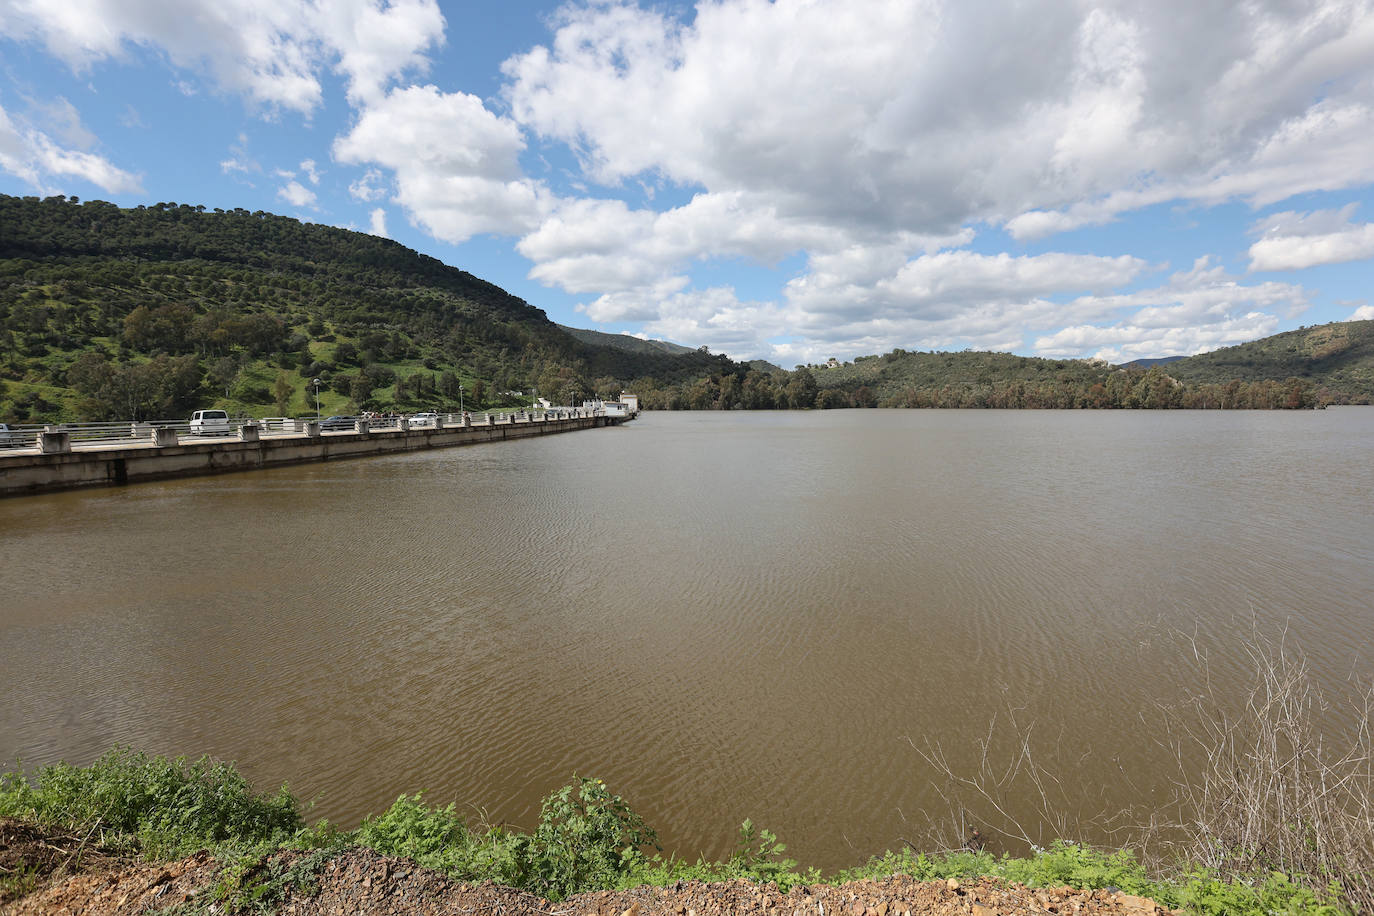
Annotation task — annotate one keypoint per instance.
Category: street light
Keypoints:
(317, 400)
(460, 397)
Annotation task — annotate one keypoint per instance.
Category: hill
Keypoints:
(625, 342)
(1338, 357)
(152, 311)
(1148, 363)
(1330, 364)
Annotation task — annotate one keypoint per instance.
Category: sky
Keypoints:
(791, 180)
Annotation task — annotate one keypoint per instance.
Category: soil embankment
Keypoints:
(359, 882)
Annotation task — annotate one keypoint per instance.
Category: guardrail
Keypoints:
(119, 432)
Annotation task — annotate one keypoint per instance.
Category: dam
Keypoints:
(101, 455)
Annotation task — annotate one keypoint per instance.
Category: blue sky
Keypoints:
(790, 180)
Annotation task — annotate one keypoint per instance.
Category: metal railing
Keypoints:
(132, 432)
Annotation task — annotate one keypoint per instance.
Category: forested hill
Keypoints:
(625, 341)
(1326, 364)
(1337, 356)
(153, 311)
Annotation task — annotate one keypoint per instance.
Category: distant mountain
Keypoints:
(626, 342)
(1147, 363)
(763, 365)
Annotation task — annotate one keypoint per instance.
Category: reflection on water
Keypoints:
(723, 615)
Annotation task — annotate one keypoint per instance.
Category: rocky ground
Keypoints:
(360, 882)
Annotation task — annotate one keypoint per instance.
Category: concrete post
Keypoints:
(249, 432)
(467, 420)
(312, 428)
(361, 426)
(54, 441)
(439, 420)
(404, 424)
(164, 436)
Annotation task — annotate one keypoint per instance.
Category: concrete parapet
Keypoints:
(165, 437)
(312, 428)
(54, 441)
(361, 427)
(249, 432)
(403, 424)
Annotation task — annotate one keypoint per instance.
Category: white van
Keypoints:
(210, 423)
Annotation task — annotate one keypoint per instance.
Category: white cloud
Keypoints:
(1293, 241)
(377, 42)
(1196, 310)
(455, 162)
(311, 173)
(63, 119)
(366, 188)
(925, 116)
(1125, 342)
(272, 51)
(377, 221)
(1363, 313)
(35, 158)
(297, 194)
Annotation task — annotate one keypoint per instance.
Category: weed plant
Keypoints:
(157, 806)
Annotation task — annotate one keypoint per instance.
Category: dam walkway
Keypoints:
(72, 456)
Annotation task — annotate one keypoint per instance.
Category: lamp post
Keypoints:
(460, 397)
(317, 400)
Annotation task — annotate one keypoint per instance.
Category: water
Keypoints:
(724, 615)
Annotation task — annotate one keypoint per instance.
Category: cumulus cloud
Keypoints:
(377, 222)
(35, 158)
(311, 173)
(1197, 309)
(1293, 241)
(297, 194)
(1363, 313)
(270, 50)
(367, 188)
(887, 115)
(455, 162)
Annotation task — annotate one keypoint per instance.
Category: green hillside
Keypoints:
(1331, 364)
(1338, 357)
(625, 342)
(152, 311)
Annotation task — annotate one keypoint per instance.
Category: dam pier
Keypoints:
(115, 454)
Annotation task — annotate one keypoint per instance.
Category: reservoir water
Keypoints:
(724, 615)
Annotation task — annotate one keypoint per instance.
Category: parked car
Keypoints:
(428, 418)
(210, 423)
(9, 438)
(337, 423)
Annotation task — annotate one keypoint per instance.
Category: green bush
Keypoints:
(163, 807)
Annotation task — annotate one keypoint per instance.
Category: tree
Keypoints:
(282, 391)
(801, 390)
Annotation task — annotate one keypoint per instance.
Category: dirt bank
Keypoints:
(359, 882)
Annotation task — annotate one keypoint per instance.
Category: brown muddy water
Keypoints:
(724, 615)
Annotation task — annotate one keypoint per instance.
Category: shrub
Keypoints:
(164, 807)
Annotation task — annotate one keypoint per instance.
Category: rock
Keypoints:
(952, 885)
(1137, 906)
